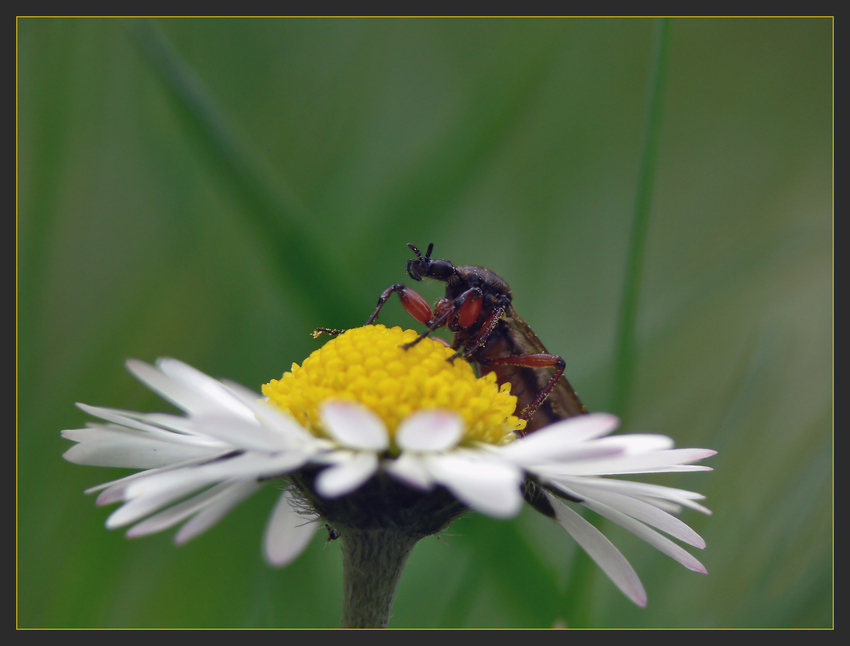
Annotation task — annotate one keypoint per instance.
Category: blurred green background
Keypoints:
(213, 189)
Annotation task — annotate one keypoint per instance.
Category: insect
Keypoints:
(478, 309)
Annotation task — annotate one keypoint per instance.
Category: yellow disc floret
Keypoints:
(368, 365)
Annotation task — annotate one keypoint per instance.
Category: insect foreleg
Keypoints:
(415, 305)
(439, 320)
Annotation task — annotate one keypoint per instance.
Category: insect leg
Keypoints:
(415, 305)
(319, 331)
(438, 321)
(447, 312)
(538, 360)
(481, 338)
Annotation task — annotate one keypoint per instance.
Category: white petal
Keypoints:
(113, 491)
(487, 486)
(211, 390)
(287, 533)
(272, 417)
(643, 512)
(561, 438)
(638, 442)
(346, 476)
(601, 550)
(146, 422)
(558, 459)
(246, 434)
(176, 424)
(150, 496)
(154, 491)
(245, 466)
(209, 423)
(257, 466)
(354, 426)
(409, 469)
(111, 446)
(430, 430)
(180, 394)
(215, 511)
(659, 542)
(653, 493)
(626, 462)
(179, 512)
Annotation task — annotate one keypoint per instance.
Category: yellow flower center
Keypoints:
(367, 365)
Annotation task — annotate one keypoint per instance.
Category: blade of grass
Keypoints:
(583, 571)
(270, 204)
(626, 351)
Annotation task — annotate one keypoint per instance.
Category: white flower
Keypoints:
(198, 466)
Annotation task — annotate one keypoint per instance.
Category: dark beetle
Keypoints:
(489, 333)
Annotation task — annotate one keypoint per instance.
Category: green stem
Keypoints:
(372, 563)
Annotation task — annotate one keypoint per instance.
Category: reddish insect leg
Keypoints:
(415, 305)
(535, 361)
(472, 344)
(461, 312)
(439, 319)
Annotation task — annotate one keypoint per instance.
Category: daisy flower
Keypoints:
(385, 445)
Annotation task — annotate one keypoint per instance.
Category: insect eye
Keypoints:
(441, 269)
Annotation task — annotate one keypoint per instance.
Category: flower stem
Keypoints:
(372, 562)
